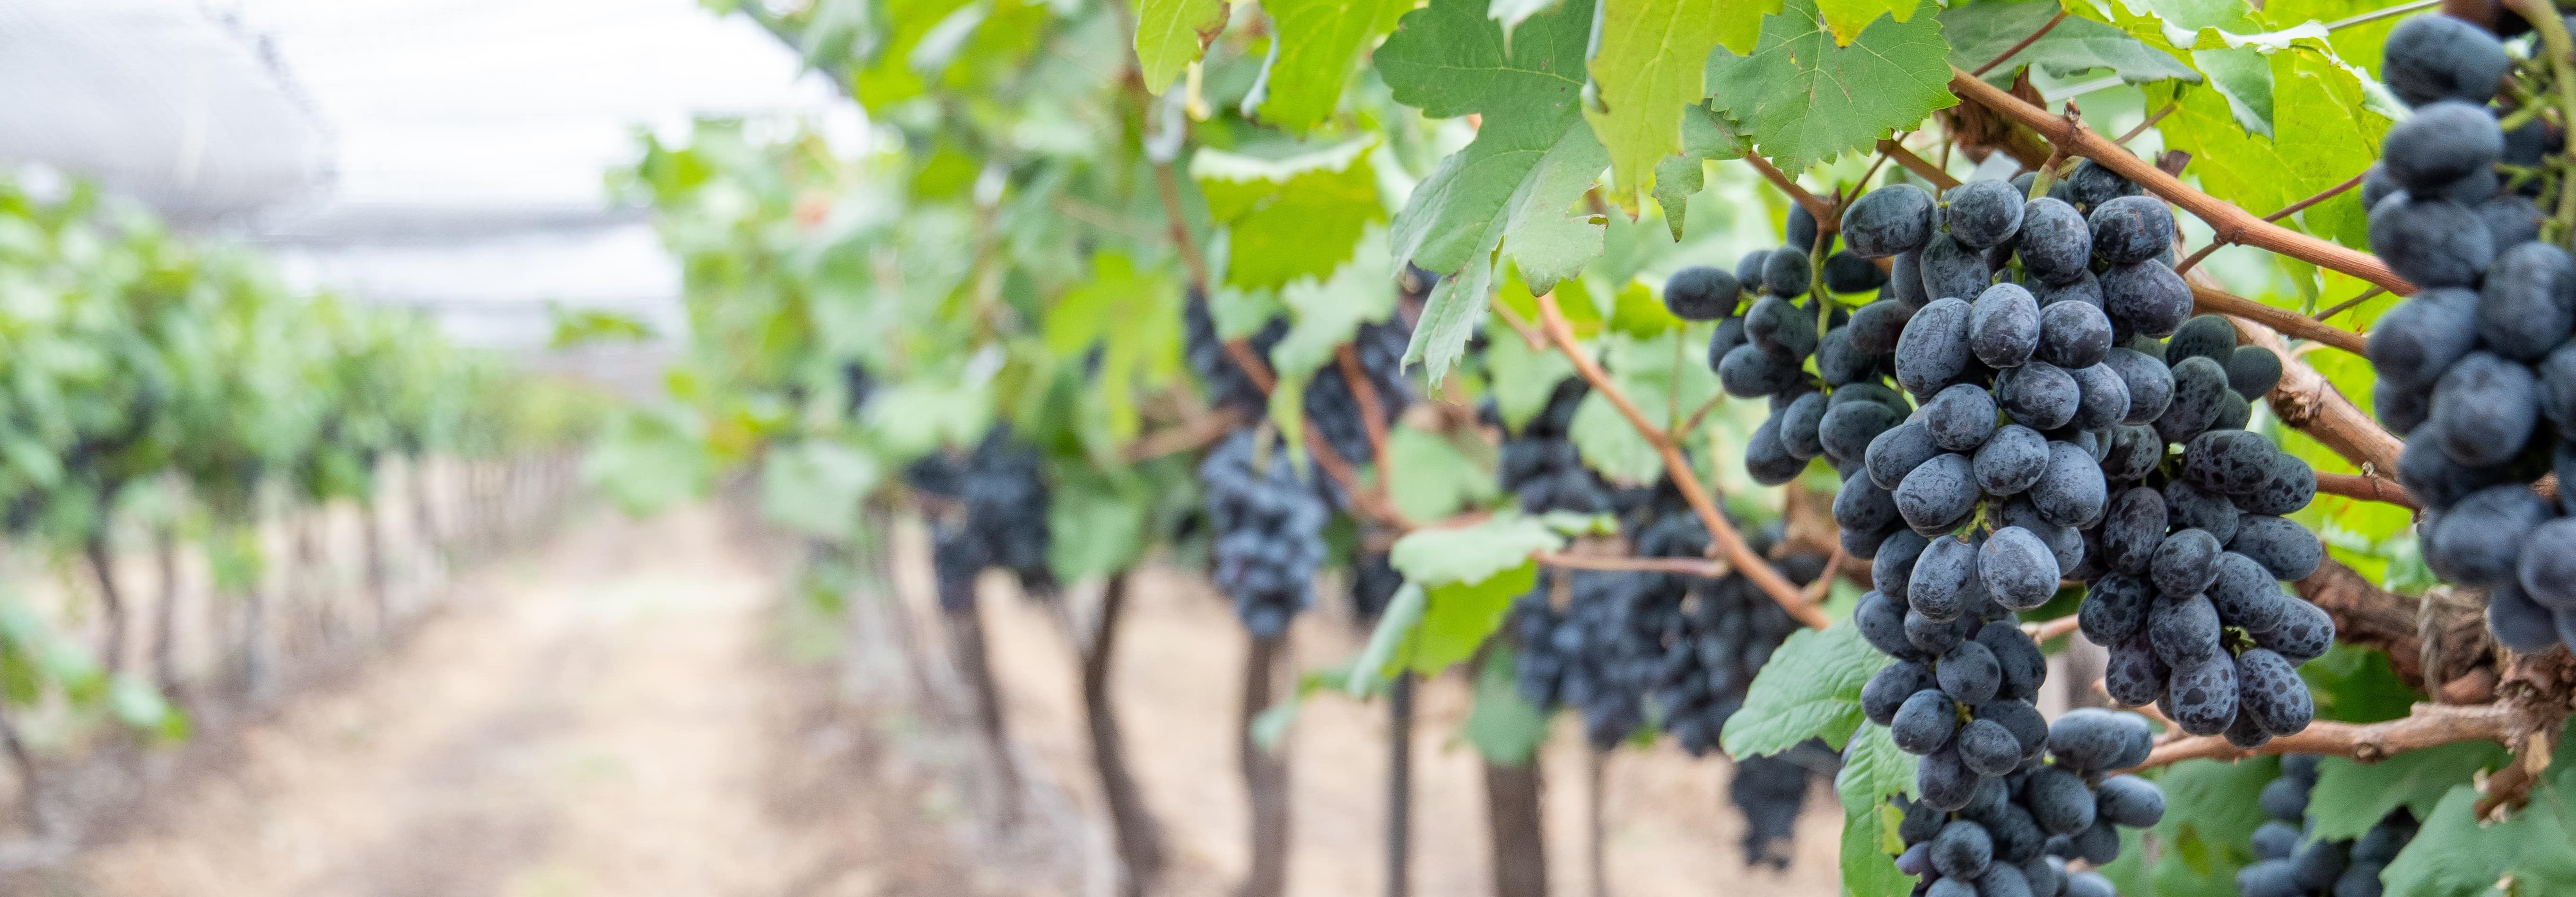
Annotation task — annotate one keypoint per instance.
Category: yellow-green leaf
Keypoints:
(1170, 34)
(1652, 61)
(1847, 17)
(1318, 39)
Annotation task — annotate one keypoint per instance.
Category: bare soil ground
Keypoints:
(618, 715)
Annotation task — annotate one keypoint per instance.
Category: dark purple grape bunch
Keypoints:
(1335, 408)
(1269, 525)
(996, 498)
(1765, 351)
(2290, 863)
(1686, 647)
(2015, 834)
(1725, 631)
(1541, 466)
(1330, 402)
(2477, 370)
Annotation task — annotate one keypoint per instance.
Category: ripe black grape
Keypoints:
(2056, 242)
(1952, 270)
(2485, 409)
(2131, 229)
(2433, 242)
(2436, 57)
(1701, 293)
(2146, 297)
(2442, 144)
(2003, 325)
(1934, 351)
(2011, 460)
(1889, 220)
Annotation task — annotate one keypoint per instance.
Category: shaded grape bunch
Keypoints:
(1228, 386)
(1374, 581)
(1335, 409)
(1269, 522)
(2292, 863)
(1588, 656)
(1540, 464)
(1000, 494)
(2014, 834)
(2477, 370)
(1770, 792)
(1687, 647)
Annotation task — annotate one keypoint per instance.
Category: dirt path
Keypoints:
(614, 716)
(605, 718)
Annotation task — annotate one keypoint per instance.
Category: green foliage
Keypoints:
(1318, 41)
(1503, 728)
(1981, 31)
(1652, 57)
(1803, 99)
(2350, 797)
(1810, 689)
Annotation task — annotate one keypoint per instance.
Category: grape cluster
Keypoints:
(2013, 835)
(1540, 464)
(1269, 522)
(1000, 492)
(1330, 402)
(2477, 371)
(1228, 386)
(2291, 865)
(1687, 647)
(1335, 409)
(1374, 581)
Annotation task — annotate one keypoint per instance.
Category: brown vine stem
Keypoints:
(1372, 414)
(2427, 726)
(1922, 168)
(1189, 435)
(2348, 304)
(2024, 45)
(1682, 566)
(1828, 218)
(2285, 212)
(1529, 332)
(2048, 629)
(2232, 224)
(2206, 299)
(1724, 541)
(2132, 133)
(2366, 488)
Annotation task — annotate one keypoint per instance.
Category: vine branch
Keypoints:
(1828, 218)
(1921, 167)
(2427, 726)
(1723, 539)
(2024, 45)
(2232, 224)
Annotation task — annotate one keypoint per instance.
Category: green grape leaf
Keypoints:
(1095, 522)
(1431, 479)
(1519, 377)
(1511, 13)
(2355, 684)
(1809, 689)
(1652, 60)
(1873, 768)
(1503, 727)
(648, 460)
(1705, 136)
(2454, 856)
(1458, 616)
(2214, 802)
(2361, 45)
(1869, 845)
(1804, 100)
(2350, 797)
(1636, 312)
(2336, 139)
(1472, 554)
(1739, 24)
(1133, 317)
(1664, 377)
(1546, 244)
(1380, 659)
(1846, 18)
(1170, 34)
(2244, 77)
(814, 486)
(890, 78)
(1448, 59)
(1324, 316)
(1317, 42)
(1980, 31)
(1292, 218)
